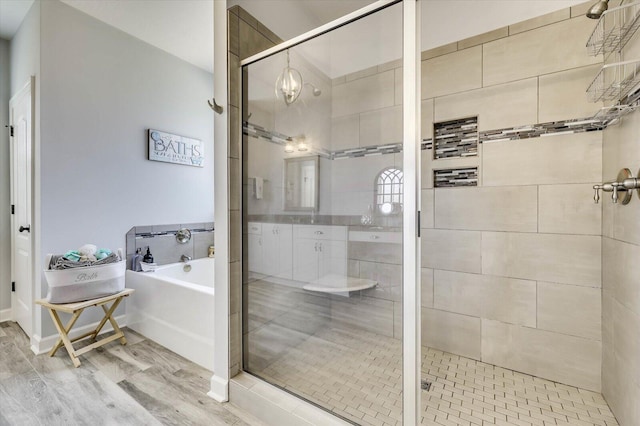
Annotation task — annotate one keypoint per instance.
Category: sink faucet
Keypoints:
(184, 258)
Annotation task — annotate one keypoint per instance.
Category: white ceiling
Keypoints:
(184, 27)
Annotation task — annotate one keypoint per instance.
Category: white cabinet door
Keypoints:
(255, 253)
(284, 261)
(333, 258)
(305, 260)
(269, 249)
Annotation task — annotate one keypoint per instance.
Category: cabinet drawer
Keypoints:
(376, 237)
(321, 232)
(254, 228)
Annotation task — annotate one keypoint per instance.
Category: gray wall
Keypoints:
(5, 240)
(101, 90)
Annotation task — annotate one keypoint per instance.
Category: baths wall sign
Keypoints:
(170, 148)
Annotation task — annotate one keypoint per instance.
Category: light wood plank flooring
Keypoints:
(141, 383)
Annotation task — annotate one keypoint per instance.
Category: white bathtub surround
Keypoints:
(175, 308)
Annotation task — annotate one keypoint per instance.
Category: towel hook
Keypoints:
(214, 106)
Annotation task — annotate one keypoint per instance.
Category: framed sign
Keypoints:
(175, 149)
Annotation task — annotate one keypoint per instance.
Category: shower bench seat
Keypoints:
(76, 309)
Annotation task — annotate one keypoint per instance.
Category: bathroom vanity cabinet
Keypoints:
(319, 251)
(271, 249)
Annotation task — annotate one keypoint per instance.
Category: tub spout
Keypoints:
(184, 258)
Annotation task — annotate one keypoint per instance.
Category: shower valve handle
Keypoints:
(606, 187)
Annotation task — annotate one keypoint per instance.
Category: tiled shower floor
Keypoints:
(357, 374)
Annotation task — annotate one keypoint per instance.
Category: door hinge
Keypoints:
(13, 209)
(11, 127)
(13, 286)
(419, 214)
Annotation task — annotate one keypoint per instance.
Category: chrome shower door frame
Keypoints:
(411, 346)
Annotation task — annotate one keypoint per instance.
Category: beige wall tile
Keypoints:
(504, 299)
(439, 51)
(538, 52)
(569, 209)
(483, 38)
(620, 272)
(570, 309)
(251, 41)
(375, 252)
(558, 357)
(235, 179)
(452, 73)
(364, 94)
(626, 340)
(397, 86)
(458, 292)
(381, 127)
(509, 300)
(569, 259)
(449, 332)
(427, 119)
(563, 94)
(451, 250)
(426, 282)
(540, 21)
(426, 220)
(508, 208)
(506, 105)
(345, 132)
(543, 160)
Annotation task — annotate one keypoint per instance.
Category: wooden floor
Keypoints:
(141, 383)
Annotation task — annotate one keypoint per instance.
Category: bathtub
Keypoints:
(175, 308)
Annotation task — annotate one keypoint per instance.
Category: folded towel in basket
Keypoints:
(61, 262)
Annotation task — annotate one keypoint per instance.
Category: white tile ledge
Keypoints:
(275, 406)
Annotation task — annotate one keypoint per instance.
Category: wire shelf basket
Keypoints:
(615, 81)
(614, 29)
(611, 114)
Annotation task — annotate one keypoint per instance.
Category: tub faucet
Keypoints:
(184, 258)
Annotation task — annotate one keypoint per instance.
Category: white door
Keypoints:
(21, 122)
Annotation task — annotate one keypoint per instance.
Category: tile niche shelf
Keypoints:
(614, 29)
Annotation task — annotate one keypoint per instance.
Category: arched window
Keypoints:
(389, 187)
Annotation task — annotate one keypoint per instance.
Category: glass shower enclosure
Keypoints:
(330, 195)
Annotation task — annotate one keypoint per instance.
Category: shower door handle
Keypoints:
(25, 228)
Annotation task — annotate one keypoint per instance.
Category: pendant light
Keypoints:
(289, 84)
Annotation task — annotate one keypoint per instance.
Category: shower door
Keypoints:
(330, 195)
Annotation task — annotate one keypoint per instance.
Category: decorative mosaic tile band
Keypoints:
(543, 129)
(449, 178)
(456, 138)
(464, 146)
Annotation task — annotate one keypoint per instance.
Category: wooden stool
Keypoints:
(76, 309)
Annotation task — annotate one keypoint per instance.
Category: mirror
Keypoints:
(301, 183)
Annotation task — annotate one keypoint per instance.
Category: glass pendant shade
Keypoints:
(289, 84)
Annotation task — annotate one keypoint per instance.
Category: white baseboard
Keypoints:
(219, 389)
(5, 315)
(43, 345)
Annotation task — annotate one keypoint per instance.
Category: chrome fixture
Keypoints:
(184, 258)
(289, 84)
(596, 11)
(183, 236)
(625, 183)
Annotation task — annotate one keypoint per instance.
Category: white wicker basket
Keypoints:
(85, 283)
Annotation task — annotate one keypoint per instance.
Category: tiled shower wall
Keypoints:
(246, 37)
(621, 270)
(512, 267)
